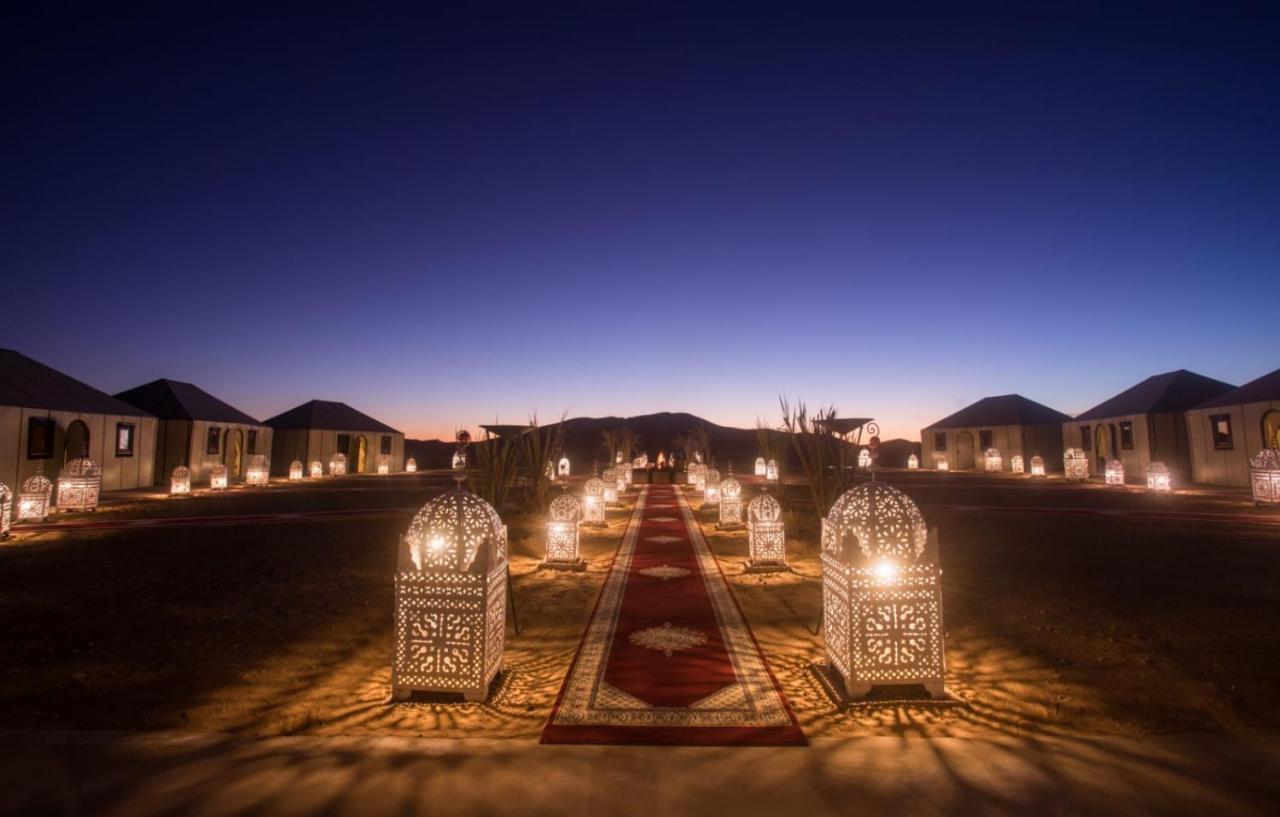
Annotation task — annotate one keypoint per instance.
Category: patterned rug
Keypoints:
(668, 658)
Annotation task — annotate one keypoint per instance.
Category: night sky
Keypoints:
(446, 220)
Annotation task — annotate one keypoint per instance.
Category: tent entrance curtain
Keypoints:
(964, 450)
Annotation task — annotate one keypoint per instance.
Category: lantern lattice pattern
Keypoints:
(180, 481)
(1075, 465)
(609, 494)
(295, 471)
(1264, 473)
(864, 458)
(33, 499)
(1016, 464)
(992, 461)
(730, 504)
(913, 462)
(79, 485)
(6, 510)
(771, 471)
(1158, 477)
(881, 592)
(317, 470)
(761, 467)
(1113, 474)
(593, 502)
(940, 462)
(411, 466)
(711, 487)
(766, 539)
(338, 465)
(451, 598)
(1037, 466)
(384, 465)
(563, 467)
(562, 533)
(217, 477)
(258, 472)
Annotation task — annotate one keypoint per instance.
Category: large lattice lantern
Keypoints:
(1075, 465)
(6, 510)
(593, 502)
(730, 503)
(411, 466)
(881, 592)
(864, 458)
(562, 534)
(766, 537)
(1037, 466)
(258, 472)
(761, 467)
(563, 467)
(451, 599)
(180, 481)
(33, 499)
(1113, 474)
(384, 465)
(771, 471)
(992, 461)
(338, 465)
(609, 495)
(1158, 477)
(1016, 464)
(295, 471)
(1264, 474)
(217, 477)
(316, 470)
(913, 462)
(711, 487)
(79, 485)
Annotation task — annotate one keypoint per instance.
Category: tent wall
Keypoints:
(308, 445)
(1010, 440)
(118, 472)
(1226, 466)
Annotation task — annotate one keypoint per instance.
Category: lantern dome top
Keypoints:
(593, 487)
(1073, 454)
(884, 521)
(181, 472)
(1037, 460)
(730, 488)
(81, 467)
(257, 460)
(565, 508)
(992, 452)
(1268, 459)
(340, 457)
(218, 468)
(1115, 465)
(759, 460)
(298, 463)
(764, 508)
(37, 483)
(1157, 467)
(712, 475)
(450, 530)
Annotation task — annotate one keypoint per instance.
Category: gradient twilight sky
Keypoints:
(442, 220)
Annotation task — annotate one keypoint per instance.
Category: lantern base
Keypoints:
(729, 526)
(766, 567)
(595, 525)
(573, 567)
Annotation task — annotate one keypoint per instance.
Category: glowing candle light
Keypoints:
(180, 481)
(1158, 477)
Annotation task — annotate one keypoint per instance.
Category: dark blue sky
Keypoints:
(442, 220)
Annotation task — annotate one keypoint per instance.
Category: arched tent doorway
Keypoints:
(964, 450)
(1104, 448)
(77, 443)
(362, 454)
(1271, 429)
(233, 452)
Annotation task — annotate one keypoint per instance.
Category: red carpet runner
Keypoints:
(668, 658)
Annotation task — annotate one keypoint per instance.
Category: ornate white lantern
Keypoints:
(992, 461)
(217, 477)
(33, 499)
(79, 484)
(562, 534)
(913, 462)
(940, 462)
(761, 467)
(1113, 474)
(864, 458)
(766, 539)
(384, 465)
(711, 487)
(881, 592)
(1264, 473)
(338, 465)
(563, 467)
(258, 472)
(610, 493)
(451, 599)
(295, 471)
(317, 470)
(771, 471)
(459, 460)
(1158, 478)
(730, 503)
(6, 510)
(1075, 465)
(1037, 466)
(641, 461)
(411, 466)
(180, 481)
(622, 476)
(593, 502)
(697, 475)
(1016, 464)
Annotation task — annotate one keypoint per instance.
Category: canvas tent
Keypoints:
(321, 428)
(1225, 431)
(47, 418)
(1009, 423)
(197, 430)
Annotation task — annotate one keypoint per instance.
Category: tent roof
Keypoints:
(1169, 392)
(175, 400)
(1002, 410)
(30, 384)
(327, 414)
(1265, 389)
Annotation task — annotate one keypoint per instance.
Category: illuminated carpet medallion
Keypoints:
(668, 658)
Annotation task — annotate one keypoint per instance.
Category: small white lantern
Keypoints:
(992, 462)
(79, 484)
(295, 471)
(411, 466)
(258, 472)
(1113, 474)
(864, 458)
(384, 466)
(217, 477)
(771, 471)
(1075, 465)
(697, 475)
(180, 481)
(338, 465)
(563, 467)
(766, 539)
(1016, 465)
(622, 476)
(711, 487)
(913, 462)
(562, 534)
(459, 461)
(940, 462)
(33, 499)
(317, 470)
(1037, 466)
(1264, 473)
(1158, 478)
(640, 462)
(881, 592)
(451, 599)
(610, 493)
(761, 467)
(730, 503)
(6, 510)
(593, 502)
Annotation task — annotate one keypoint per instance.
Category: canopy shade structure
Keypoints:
(842, 425)
(507, 430)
